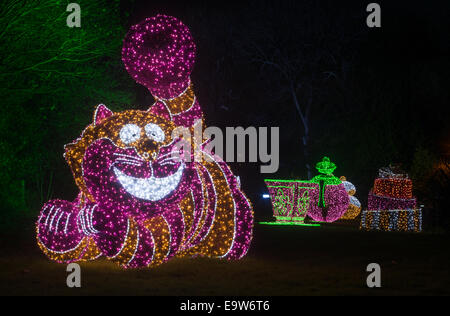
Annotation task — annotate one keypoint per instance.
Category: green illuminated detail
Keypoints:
(325, 166)
(303, 204)
(328, 179)
(281, 202)
(289, 218)
(289, 181)
(288, 224)
(280, 186)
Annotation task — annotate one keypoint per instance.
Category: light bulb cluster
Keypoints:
(159, 53)
(392, 220)
(391, 205)
(376, 202)
(354, 207)
(393, 187)
(336, 204)
(139, 204)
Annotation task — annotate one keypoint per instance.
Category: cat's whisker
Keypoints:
(129, 163)
(169, 160)
(128, 157)
(139, 163)
(168, 163)
(172, 153)
(130, 160)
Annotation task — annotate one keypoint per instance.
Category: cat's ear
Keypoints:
(160, 109)
(101, 113)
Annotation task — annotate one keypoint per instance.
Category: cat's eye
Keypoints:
(154, 132)
(130, 133)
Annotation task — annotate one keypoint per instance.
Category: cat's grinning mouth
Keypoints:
(151, 188)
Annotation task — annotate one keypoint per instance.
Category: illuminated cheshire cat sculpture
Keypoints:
(139, 205)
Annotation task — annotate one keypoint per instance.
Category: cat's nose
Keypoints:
(148, 150)
(149, 156)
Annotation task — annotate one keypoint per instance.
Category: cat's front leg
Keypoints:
(132, 243)
(109, 228)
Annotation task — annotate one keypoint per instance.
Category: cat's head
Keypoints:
(128, 161)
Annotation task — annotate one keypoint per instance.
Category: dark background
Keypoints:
(373, 96)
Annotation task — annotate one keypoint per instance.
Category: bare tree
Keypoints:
(298, 54)
(214, 32)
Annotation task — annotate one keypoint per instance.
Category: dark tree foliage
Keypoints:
(51, 79)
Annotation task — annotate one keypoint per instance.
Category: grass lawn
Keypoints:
(283, 260)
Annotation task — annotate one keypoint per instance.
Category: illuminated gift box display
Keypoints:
(391, 205)
(143, 199)
(323, 198)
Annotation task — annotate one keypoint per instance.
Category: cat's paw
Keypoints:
(58, 228)
(85, 220)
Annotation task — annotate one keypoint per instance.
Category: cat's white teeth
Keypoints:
(152, 188)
